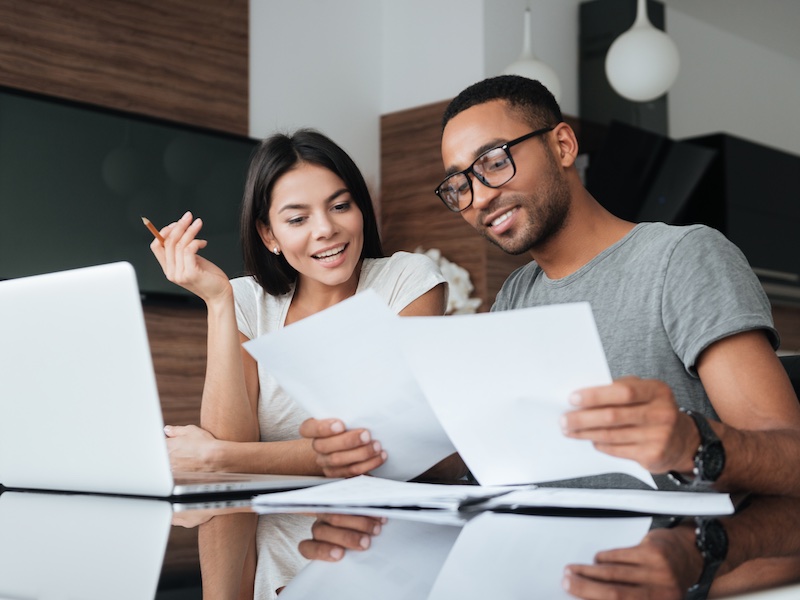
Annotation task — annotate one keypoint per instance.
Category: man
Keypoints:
(678, 306)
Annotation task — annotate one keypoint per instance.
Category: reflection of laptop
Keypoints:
(79, 407)
(79, 546)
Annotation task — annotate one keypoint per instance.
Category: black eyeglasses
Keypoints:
(493, 168)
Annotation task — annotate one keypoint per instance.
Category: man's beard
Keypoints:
(547, 211)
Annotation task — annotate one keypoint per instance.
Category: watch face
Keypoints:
(712, 541)
(711, 461)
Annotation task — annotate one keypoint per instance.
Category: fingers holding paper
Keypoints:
(333, 534)
(181, 263)
(342, 452)
(633, 418)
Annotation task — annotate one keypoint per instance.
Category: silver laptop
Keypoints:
(79, 406)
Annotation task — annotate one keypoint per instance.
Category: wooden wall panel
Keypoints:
(177, 337)
(183, 60)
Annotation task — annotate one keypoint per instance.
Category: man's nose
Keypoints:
(482, 195)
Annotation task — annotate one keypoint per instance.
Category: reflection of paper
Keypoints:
(499, 383)
(343, 363)
(522, 556)
(401, 563)
(374, 491)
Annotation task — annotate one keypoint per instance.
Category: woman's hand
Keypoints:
(333, 534)
(342, 452)
(181, 263)
(190, 447)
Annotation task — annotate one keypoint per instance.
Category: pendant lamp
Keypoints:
(527, 65)
(643, 62)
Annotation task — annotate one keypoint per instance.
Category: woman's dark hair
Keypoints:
(272, 159)
(535, 103)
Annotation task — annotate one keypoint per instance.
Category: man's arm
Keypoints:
(748, 387)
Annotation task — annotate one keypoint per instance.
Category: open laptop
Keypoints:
(79, 406)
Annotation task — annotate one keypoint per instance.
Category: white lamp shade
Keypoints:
(642, 63)
(536, 69)
(527, 65)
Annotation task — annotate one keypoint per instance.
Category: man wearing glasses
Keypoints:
(677, 307)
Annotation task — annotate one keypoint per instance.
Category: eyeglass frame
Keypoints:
(471, 169)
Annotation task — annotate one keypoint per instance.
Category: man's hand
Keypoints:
(342, 452)
(334, 534)
(664, 565)
(636, 419)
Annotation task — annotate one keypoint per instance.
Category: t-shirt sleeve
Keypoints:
(404, 277)
(710, 292)
(245, 301)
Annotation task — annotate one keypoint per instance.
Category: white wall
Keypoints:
(338, 65)
(729, 84)
(430, 50)
(317, 63)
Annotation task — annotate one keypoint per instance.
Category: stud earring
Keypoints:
(276, 251)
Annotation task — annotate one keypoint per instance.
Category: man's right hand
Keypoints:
(342, 452)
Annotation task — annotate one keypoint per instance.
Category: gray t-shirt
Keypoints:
(660, 296)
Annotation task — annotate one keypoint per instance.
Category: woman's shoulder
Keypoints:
(397, 263)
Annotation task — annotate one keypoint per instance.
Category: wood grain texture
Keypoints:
(177, 337)
(183, 60)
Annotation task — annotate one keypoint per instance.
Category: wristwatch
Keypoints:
(712, 542)
(709, 460)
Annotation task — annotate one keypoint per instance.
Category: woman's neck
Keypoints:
(312, 296)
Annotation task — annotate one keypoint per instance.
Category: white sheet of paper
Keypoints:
(375, 491)
(402, 562)
(499, 382)
(343, 362)
(651, 502)
(365, 491)
(523, 556)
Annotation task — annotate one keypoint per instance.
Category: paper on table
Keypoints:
(651, 502)
(523, 556)
(367, 491)
(499, 382)
(342, 362)
(375, 491)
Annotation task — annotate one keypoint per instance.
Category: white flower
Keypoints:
(459, 282)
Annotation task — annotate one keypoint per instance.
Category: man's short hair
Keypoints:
(529, 97)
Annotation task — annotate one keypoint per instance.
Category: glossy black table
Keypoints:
(82, 546)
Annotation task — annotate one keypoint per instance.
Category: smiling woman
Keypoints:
(310, 240)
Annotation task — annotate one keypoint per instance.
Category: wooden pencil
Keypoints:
(153, 229)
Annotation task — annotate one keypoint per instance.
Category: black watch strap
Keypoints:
(709, 459)
(712, 543)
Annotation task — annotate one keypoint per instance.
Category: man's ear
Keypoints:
(567, 144)
(265, 233)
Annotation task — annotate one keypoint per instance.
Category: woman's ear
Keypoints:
(265, 233)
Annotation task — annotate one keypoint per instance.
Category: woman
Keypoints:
(310, 240)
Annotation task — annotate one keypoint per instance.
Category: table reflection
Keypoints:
(508, 555)
(76, 546)
(58, 546)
